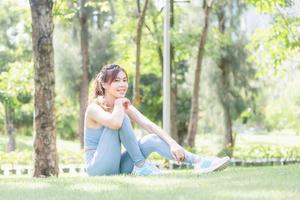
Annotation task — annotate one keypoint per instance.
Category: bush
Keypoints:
(266, 152)
(16, 157)
(25, 157)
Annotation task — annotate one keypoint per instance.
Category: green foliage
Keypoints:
(16, 157)
(151, 93)
(16, 72)
(67, 67)
(227, 80)
(151, 96)
(124, 40)
(17, 81)
(71, 157)
(278, 43)
(24, 157)
(242, 153)
(16, 91)
(271, 51)
(65, 10)
(66, 118)
(101, 50)
(267, 6)
(67, 36)
(112, 30)
(23, 119)
(282, 104)
(274, 46)
(265, 152)
(183, 100)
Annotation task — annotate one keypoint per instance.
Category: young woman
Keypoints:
(108, 125)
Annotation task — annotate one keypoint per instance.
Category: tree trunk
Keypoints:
(193, 121)
(228, 137)
(161, 58)
(228, 143)
(136, 86)
(112, 10)
(45, 159)
(11, 145)
(83, 96)
(174, 130)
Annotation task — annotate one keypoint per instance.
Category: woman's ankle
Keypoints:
(196, 160)
(140, 163)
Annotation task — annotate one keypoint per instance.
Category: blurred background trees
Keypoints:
(249, 76)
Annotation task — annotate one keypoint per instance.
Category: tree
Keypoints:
(277, 47)
(180, 53)
(234, 92)
(83, 96)
(225, 65)
(140, 25)
(278, 42)
(193, 121)
(15, 91)
(45, 152)
(15, 68)
(88, 23)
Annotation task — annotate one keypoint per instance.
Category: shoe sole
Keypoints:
(222, 165)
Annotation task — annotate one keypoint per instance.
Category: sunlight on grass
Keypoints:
(90, 187)
(280, 182)
(27, 186)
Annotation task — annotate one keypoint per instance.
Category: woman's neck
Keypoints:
(109, 100)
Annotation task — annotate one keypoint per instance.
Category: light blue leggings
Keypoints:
(107, 158)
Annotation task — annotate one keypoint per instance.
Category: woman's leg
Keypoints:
(152, 143)
(128, 139)
(105, 160)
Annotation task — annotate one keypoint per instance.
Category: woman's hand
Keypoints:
(177, 152)
(122, 102)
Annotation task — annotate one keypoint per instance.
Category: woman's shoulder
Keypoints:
(95, 104)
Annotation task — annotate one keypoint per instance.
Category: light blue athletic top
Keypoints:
(92, 137)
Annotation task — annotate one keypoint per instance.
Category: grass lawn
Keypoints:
(277, 182)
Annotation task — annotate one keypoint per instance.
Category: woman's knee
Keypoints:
(149, 144)
(152, 137)
(150, 140)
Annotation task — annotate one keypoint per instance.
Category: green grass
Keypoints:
(279, 182)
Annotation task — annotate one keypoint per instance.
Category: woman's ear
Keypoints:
(104, 85)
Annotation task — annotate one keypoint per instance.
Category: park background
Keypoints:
(247, 71)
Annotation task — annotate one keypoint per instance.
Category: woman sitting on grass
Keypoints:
(108, 125)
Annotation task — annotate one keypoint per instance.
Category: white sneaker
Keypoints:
(211, 164)
(146, 170)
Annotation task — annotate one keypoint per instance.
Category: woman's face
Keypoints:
(118, 87)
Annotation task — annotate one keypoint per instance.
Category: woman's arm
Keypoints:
(112, 120)
(148, 125)
(176, 150)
